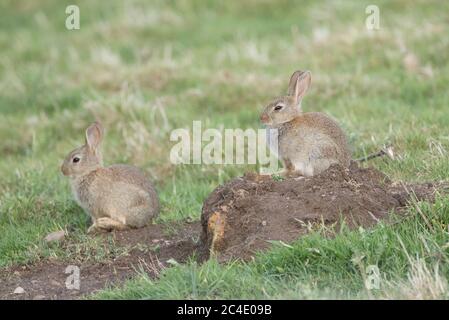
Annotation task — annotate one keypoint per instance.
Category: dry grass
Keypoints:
(144, 69)
(422, 283)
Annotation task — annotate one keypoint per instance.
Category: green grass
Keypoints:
(146, 68)
(319, 267)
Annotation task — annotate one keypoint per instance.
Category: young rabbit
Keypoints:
(116, 197)
(308, 143)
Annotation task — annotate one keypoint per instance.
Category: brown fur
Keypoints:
(116, 197)
(308, 143)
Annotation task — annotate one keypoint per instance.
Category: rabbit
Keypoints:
(116, 197)
(308, 143)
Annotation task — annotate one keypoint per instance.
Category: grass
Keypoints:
(318, 267)
(146, 69)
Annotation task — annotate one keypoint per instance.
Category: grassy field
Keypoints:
(145, 68)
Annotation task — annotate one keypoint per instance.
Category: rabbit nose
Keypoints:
(264, 117)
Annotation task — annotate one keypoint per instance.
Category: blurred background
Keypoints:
(144, 68)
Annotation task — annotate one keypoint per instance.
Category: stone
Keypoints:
(55, 236)
(19, 290)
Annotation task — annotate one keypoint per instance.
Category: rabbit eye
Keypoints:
(76, 160)
(278, 107)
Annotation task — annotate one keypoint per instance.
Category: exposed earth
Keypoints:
(151, 250)
(238, 219)
(246, 214)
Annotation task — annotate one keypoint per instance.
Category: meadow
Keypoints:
(146, 68)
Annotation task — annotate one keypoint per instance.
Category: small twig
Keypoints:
(386, 151)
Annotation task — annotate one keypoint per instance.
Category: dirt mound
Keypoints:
(148, 249)
(245, 214)
(238, 219)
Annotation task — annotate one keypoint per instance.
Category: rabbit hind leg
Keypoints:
(321, 165)
(140, 216)
(109, 224)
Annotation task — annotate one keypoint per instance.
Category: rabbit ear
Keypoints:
(94, 135)
(299, 84)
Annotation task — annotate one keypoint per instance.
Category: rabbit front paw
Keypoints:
(92, 229)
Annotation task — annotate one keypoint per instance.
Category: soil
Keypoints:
(238, 219)
(151, 251)
(246, 214)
